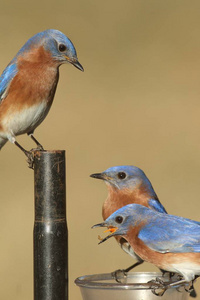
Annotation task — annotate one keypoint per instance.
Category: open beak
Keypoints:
(110, 229)
(75, 63)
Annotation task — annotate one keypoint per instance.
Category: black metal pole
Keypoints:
(50, 227)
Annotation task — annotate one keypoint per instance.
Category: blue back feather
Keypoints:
(6, 78)
(171, 234)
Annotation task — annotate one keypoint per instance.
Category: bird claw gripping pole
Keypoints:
(30, 154)
(30, 159)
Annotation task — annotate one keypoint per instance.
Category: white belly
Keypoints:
(187, 269)
(25, 120)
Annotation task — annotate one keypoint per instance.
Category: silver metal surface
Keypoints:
(134, 287)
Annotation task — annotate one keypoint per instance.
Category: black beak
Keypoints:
(105, 239)
(98, 176)
(103, 225)
(77, 64)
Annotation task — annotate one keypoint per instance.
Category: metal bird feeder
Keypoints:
(136, 287)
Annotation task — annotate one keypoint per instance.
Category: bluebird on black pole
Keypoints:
(50, 227)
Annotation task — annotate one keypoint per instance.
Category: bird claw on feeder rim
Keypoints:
(119, 276)
(158, 287)
(182, 283)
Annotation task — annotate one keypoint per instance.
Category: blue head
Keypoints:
(125, 177)
(61, 48)
(121, 220)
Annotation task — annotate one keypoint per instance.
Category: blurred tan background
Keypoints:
(138, 103)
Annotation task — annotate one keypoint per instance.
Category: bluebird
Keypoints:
(28, 84)
(170, 242)
(126, 185)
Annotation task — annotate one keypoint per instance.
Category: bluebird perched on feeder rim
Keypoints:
(28, 84)
(170, 242)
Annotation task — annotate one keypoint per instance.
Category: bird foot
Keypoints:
(180, 284)
(30, 159)
(29, 154)
(119, 275)
(37, 149)
(158, 287)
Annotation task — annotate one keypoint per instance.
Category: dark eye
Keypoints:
(62, 48)
(121, 175)
(119, 219)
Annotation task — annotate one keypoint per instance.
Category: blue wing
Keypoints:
(173, 234)
(6, 78)
(156, 205)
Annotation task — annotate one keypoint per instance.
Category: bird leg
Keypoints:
(159, 284)
(170, 274)
(181, 283)
(178, 284)
(29, 155)
(191, 290)
(133, 266)
(39, 146)
(123, 272)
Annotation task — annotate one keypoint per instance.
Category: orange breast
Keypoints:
(35, 81)
(119, 198)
